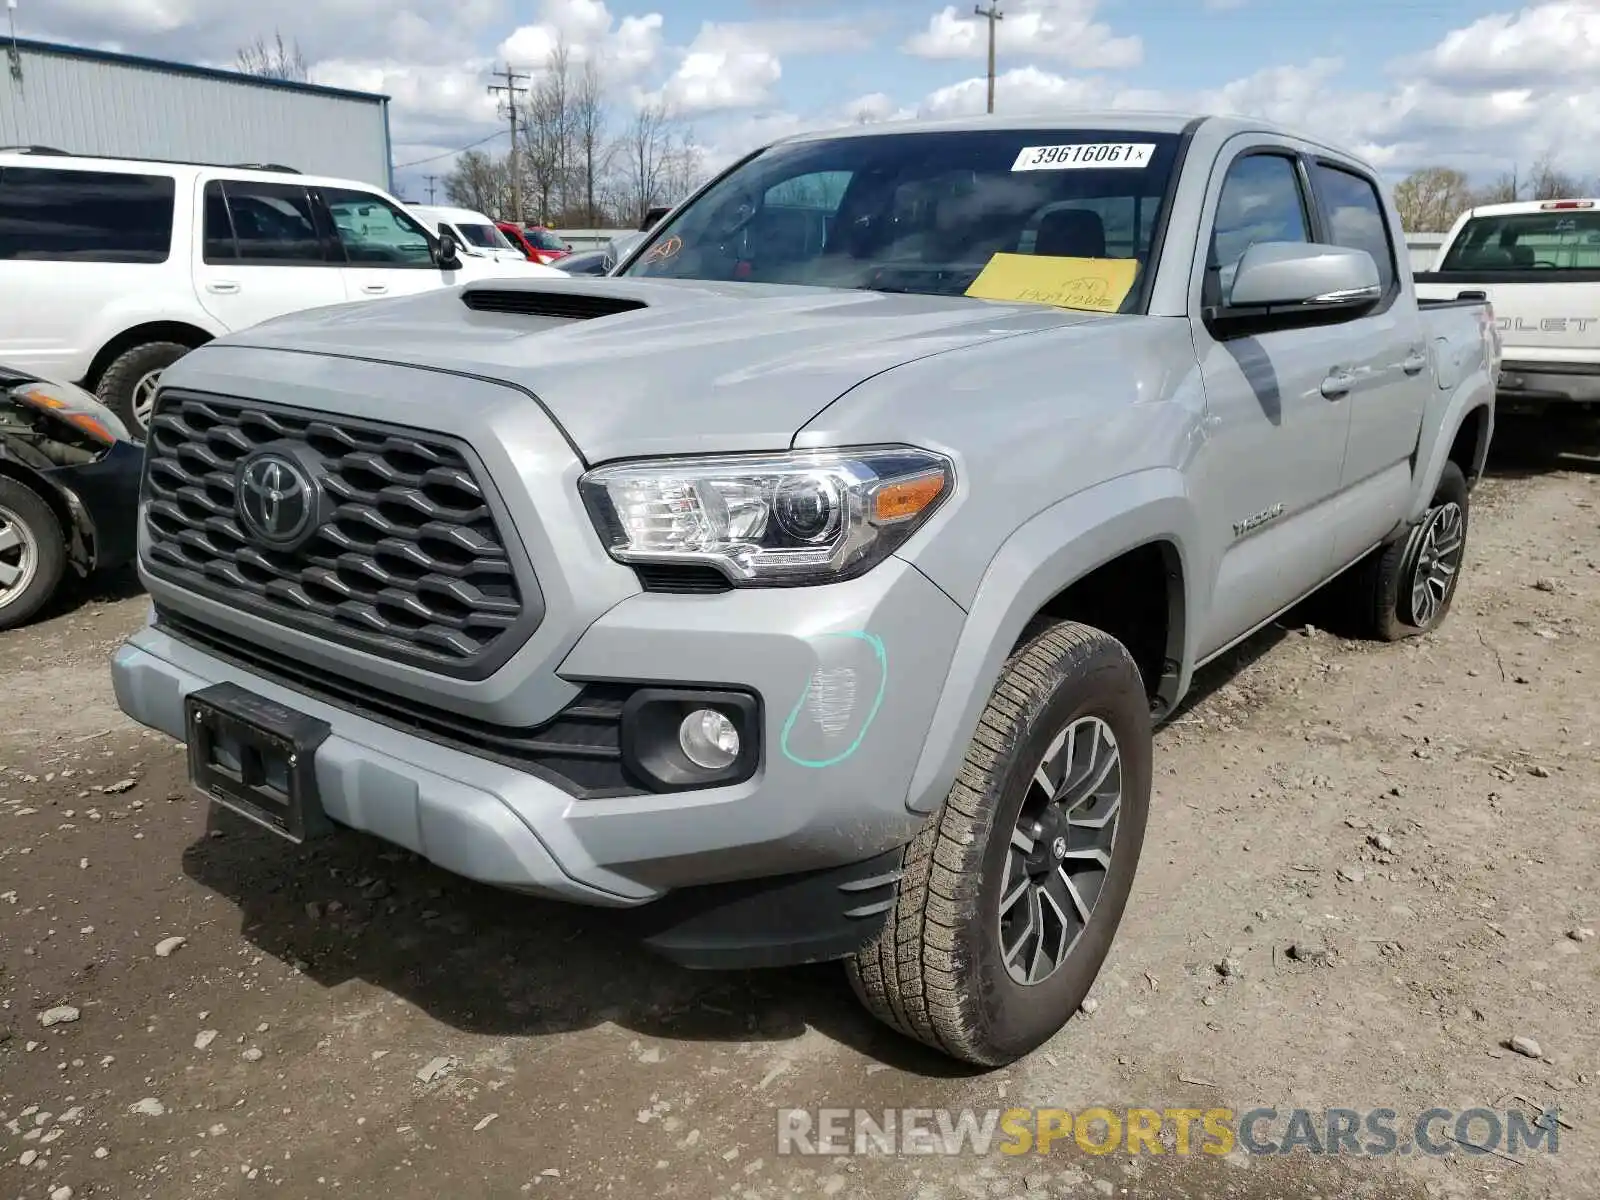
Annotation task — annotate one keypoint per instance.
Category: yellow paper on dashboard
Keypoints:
(1096, 284)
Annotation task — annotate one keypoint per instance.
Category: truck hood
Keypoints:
(632, 367)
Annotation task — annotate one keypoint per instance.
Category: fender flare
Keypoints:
(1438, 436)
(1048, 553)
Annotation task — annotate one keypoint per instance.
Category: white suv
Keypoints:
(112, 269)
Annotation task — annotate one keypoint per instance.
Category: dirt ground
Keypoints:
(1428, 814)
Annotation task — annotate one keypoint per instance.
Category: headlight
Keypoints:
(814, 516)
(76, 407)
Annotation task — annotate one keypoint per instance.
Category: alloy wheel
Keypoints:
(1439, 552)
(144, 396)
(1060, 851)
(19, 556)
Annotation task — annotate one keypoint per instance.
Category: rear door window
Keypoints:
(1556, 240)
(273, 224)
(52, 215)
(1354, 216)
(217, 229)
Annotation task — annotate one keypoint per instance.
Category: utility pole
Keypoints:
(512, 91)
(431, 179)
(993, 14)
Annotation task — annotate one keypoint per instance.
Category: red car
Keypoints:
(537, 242)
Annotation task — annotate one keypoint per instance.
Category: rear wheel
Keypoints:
(1013, 891)
(33, 553)
(128, 386)
(1407, 587)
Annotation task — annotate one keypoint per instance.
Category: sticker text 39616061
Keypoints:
(1084, 156)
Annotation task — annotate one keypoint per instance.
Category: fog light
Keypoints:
(708, 739)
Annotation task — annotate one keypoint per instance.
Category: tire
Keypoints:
(118, 387)
(1394, 606)
(937, 971)
(33, 553)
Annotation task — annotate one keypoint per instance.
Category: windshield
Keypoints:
(927, 212)
(485, 237)
(544, 239)
(1561, 240)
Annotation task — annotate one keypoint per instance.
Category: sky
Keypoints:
(1482, 86)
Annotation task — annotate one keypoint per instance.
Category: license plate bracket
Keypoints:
(257, 758)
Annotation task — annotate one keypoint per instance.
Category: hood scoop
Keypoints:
(570, 306)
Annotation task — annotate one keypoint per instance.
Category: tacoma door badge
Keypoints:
(1250, 524)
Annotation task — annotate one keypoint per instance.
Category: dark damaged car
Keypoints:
(69, 491)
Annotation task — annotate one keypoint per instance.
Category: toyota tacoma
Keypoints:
(811, 584)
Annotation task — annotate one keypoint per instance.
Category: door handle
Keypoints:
(1414, 362)
(374, 289)
(1338, 384)
(222, 288)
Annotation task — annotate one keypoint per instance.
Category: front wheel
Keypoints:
(33, 553)
(1012, 892)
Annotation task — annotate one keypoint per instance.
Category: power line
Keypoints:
(417, 162)
(992, 14)
(432, 179)
(512, 91)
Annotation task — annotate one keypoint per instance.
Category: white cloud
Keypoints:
(1529, 48)
(1064, 30)
(875, 106)
(1498, 91)
(734, 64)
(1031, 90)
(724, 67)
(623, 50)
(211, 31)
(1495, 94)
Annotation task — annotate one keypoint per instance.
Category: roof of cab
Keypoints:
(1217, 127)
(443, 212)
(1519, 207)
(44, 158)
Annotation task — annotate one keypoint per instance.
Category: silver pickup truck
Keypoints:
(811, 584)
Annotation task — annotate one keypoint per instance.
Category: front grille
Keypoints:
(408, 561)
(578, 750)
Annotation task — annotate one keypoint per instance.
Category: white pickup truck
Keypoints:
(1538, 262)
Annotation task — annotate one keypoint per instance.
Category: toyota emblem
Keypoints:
(277, 499)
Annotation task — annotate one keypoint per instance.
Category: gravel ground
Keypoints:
(351, 1021)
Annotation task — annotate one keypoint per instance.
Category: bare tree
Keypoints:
(1546, 181)
(273, 60)
(1431, 199)
(589, 122)
(548, 142)
(1506, 188)
(661, 160)
(480, 183)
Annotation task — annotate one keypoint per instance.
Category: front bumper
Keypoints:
(104, 499)
(848, 675)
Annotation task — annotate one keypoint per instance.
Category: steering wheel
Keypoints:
(1543, 262)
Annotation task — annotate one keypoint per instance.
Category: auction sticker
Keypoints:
(1084, 156)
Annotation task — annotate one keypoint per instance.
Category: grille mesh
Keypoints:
(409, 563)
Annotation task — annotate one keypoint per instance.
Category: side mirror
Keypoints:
(1286, 283)
(449, 253)
(620, 247)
